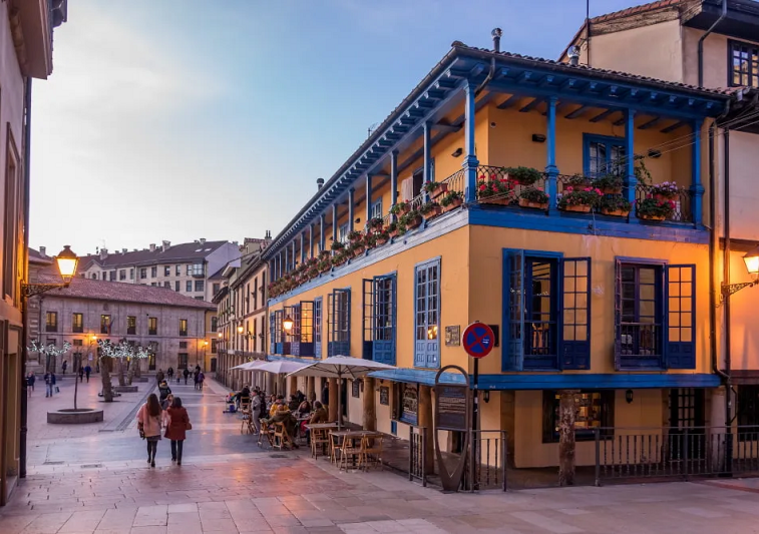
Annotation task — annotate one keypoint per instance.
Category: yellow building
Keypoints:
(600, 288)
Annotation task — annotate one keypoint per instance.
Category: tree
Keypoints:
(50, 351)
(107, 353)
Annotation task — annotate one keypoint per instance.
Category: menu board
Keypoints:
(452, 407)
(409, 404)
(384, 395)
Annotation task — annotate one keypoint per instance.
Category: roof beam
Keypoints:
(576, 113)
(530, 106)
(673, 127)
(650, 124)
(447, 128)
(601, 116)
(506, 104)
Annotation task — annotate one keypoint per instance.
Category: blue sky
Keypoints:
(181, 119)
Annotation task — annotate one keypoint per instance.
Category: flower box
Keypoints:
(414, 222)
(453, 205)
(615, 213)
(358, 251)
(524, 203)
(665, 196)
(656, 218)
(432, 212)
(611, 190)
(578, 208)
(381, 240)
(495, 201)
(439, 191)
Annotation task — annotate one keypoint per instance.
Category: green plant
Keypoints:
(614, 203)
(609, 181)
(499, 187)
(355, 235)
(382, 235)
(409, 219)
(427, 208)
(431, 187)
(523, 175)
(399, 208)
(587, 196)
(642, 174)
(535, 195)
(655, 208)
(450, 197)
(375, 223)
(665, 189)
(392, 227)
(577, 180)
(337, 246)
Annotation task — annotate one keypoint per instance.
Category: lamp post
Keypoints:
(751, 259)
(66, 261)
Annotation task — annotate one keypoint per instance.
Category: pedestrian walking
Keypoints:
(81, 374)
(49, 384)
(196, 374)
(177, 425)
(64, 366)
(87, 371)
(159, 376)
(256, 405)
(164, 391)
(30, 380)
(201, 379)
(170, 373)
(149, 425)
(186, 373)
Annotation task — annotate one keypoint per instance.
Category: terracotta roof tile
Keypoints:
(180, 252)
(635, 10)
(86, 288)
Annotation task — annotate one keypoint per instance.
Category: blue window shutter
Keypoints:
(433, 314)
(575, 316)
(367, 320)
(618, 315)
(427, 315)
(383, 323)
(271, 333)
(680, 316)
(513, 301)
(341, 323)
(318, 333)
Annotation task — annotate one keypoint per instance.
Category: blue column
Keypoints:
(293, 257)
(552, 171)
(696, 188)
(470, 161)
(427, 128)
(311, 240)
(393, 179)
(368, 197)
(322, 221)
(334, 223)
(287, 258)
(351, 215)
(302, 248)
(630, 181)
(280, 268)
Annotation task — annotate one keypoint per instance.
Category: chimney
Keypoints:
(574, 55)
(124, 250)
(152, 247)
(165, 245)
(202, 240)
(103, 253)
(319, 183)
(43, 251)
(496, 33)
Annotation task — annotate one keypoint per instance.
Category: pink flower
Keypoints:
(587, 189)
(649, 195)
(598, 191)
(570, 189)
(539, 188)
(483, 187)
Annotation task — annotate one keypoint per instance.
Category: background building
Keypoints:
(26, 49)
(187, 268)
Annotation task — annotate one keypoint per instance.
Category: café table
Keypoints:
(320, 436)
(348, 444)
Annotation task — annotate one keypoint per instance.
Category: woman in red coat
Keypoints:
(178, 422)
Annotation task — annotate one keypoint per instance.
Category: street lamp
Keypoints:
(287, 324)
(751, 259)
(66, 261)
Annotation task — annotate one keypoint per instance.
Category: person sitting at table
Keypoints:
(304, 409)
(284, 416)
(275, 407)
(320, 414)
(243, 396)
(294, 403)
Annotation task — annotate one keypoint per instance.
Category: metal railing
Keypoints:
(682, 200)
(417, 457)
(490, 173)
(487, 460)
(638, 453)
(456, 181)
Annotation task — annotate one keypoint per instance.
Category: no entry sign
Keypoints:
(478, 340)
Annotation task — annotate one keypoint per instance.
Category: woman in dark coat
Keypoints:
(178, 422)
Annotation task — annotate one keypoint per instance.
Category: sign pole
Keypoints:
(475, 422)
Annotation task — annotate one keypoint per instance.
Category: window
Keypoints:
(199, 285)
(176, 286)
(167, 270)
(214, 324)
(183, 327)
(153, 284)
(94, 276)
(197, 269)
(655, 316)
(167, 284)
(188, 286)
(12, 217)
(182, 344)
(51, 322)
(744, 67)
(748, 412)
(153, 272)
(318, 327)
(342, 233)
(189, 270)
(379, 319)
(143, 273)
(131, 325)
(112, 276)
(377, 209)
(182, 361)
(303, 329)
(603, 155)
(77, 323)
(178, 270)
(152, 326)
(78, 343)
(131, 274)
(105, 324)
(122, 274)
(339, 319)
(199, 298)
(546, 310)
(213, 346)
(216, 288)
(426, 314)
(595, 409)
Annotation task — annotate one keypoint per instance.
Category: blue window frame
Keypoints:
(655, 315)
(379, 319)
(303, 329)
(339, 304)
(377, 209)
(546, 306)
(273, 333)
(603, 155)
(318, 327)
(342, 233)
(427, 314)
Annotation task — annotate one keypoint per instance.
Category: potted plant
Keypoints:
(533, 197)
(614, 205)
(370, 240)
(411, 220)
(654, 209)
(401, 208)
(337, 246)
(325, 265)
(579, 200)
(498, 191)
(354, 236)
(392, 228)
(435, 189)
(451, 200)
(382, 237)
(430, 210)
(375, 223)
(523, 175)
(577, 181)
(339, 259)
(665, 191)
(357, 246)
(609, 184)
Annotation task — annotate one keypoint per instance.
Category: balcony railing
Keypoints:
(682, 212)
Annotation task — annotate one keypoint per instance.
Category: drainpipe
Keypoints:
(496, 33)
(726, 278)
(701, 44)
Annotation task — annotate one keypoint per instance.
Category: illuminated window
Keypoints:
(595, 410)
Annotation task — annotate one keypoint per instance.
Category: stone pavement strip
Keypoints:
(228, 485)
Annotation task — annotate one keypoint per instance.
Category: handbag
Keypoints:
(57, 389)
(188, 426)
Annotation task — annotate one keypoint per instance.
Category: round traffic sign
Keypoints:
(478, 340)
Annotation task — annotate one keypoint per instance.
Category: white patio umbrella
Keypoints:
(341, 367)
(249, 366)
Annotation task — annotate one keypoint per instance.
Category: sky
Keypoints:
(185, 119)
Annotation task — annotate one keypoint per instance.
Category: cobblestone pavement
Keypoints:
(95, 479)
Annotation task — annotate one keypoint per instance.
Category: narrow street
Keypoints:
(94, 478)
